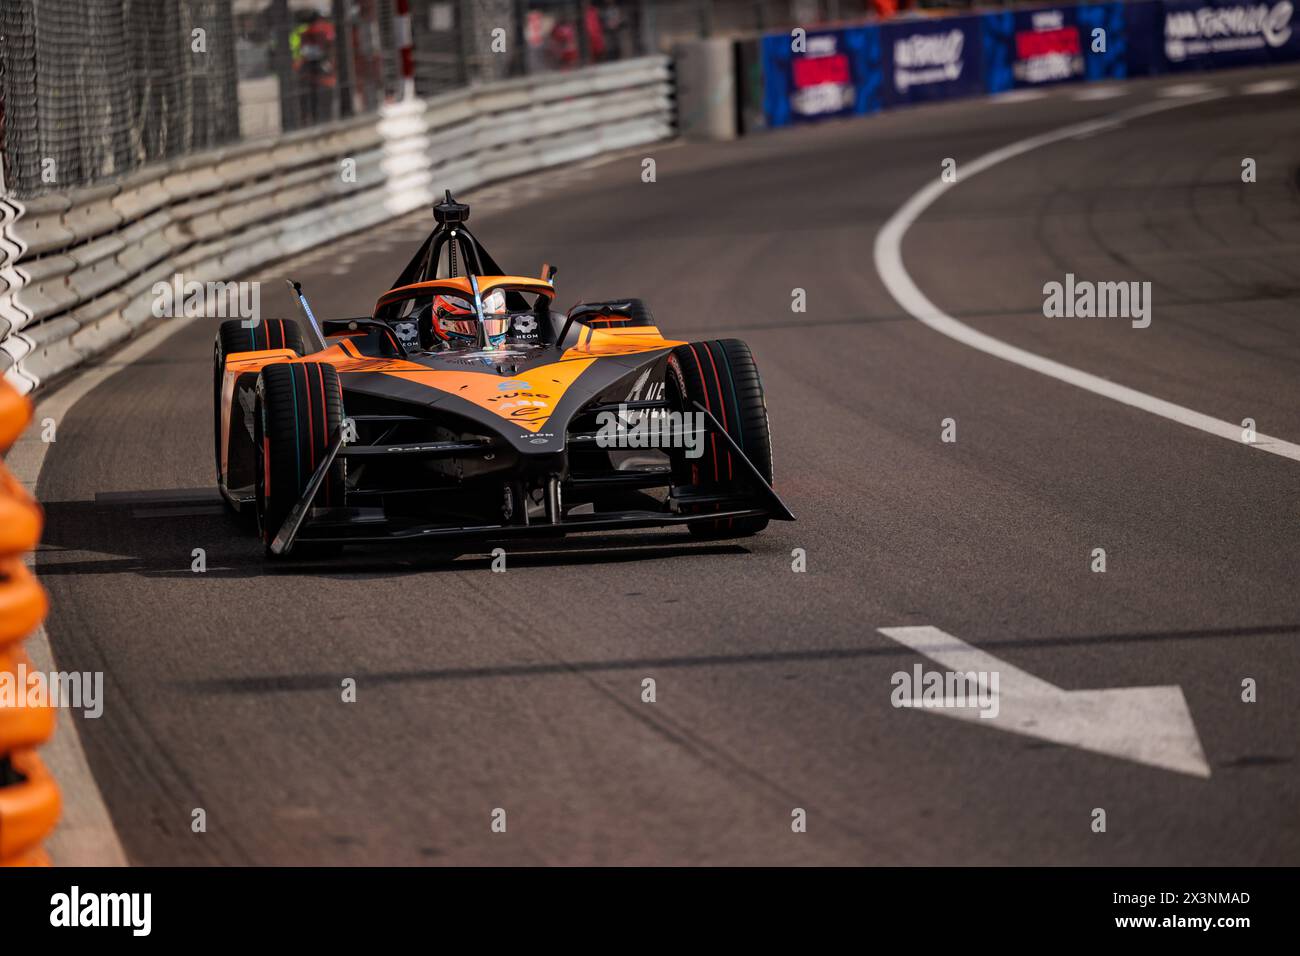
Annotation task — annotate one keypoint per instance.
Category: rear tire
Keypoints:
(641, 314)
(721, 375)
(299, 410)
(234, 337)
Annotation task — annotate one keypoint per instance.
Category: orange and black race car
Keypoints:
(466, 407)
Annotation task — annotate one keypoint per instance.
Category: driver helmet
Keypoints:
(455, 324)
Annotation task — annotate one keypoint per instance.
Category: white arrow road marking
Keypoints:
(1149, 725)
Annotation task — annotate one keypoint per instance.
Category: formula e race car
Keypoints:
(466, 408)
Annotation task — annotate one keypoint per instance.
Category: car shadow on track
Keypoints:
(271, 683)
(159, 534)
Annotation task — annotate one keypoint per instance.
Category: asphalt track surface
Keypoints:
(522, 690)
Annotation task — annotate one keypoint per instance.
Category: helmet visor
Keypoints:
(496, 322)
(455, 320)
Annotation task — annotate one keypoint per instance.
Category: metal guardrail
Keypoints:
(77, 269)
(29, 798)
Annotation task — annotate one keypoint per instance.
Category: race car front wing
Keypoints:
(357, 526)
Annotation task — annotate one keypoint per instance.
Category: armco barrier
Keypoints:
(29, 798)
(77, 269)
(860, 69)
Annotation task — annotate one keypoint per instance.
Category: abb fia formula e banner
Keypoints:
(931, 59)
(819, 74)
(1028, 48)
(1209, 34)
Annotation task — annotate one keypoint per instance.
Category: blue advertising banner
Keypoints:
(1028, 48)
(1143, 28)
(931, 59)
(862, 69)
(821, 75)
(1105, 55)
(1210, 34)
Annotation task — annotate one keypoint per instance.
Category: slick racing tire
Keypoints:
(638, 311)
(641, 314)
(299, 410)
(233, 337)
(721, 376)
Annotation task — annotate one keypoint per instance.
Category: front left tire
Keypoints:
(233, 336)
(299, 411)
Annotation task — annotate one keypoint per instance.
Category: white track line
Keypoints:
(888, 255)
(1093, 93)
(85, 835)
(1266, 87)
(1017, 96)
(1176, 90)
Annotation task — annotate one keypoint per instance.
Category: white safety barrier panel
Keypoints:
(77, 269)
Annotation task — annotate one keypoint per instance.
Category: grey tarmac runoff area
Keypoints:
(522, 690)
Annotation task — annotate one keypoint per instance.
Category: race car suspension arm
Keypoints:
(777, 507)
(283, 541)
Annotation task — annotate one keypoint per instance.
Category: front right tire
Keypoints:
(722, 376)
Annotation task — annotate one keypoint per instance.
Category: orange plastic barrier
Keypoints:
(22, 726)
(29, 808)
(29, 797)
(15, 412)
(22, 601)
(20, 516)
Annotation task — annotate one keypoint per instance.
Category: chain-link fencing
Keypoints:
(92, 89)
